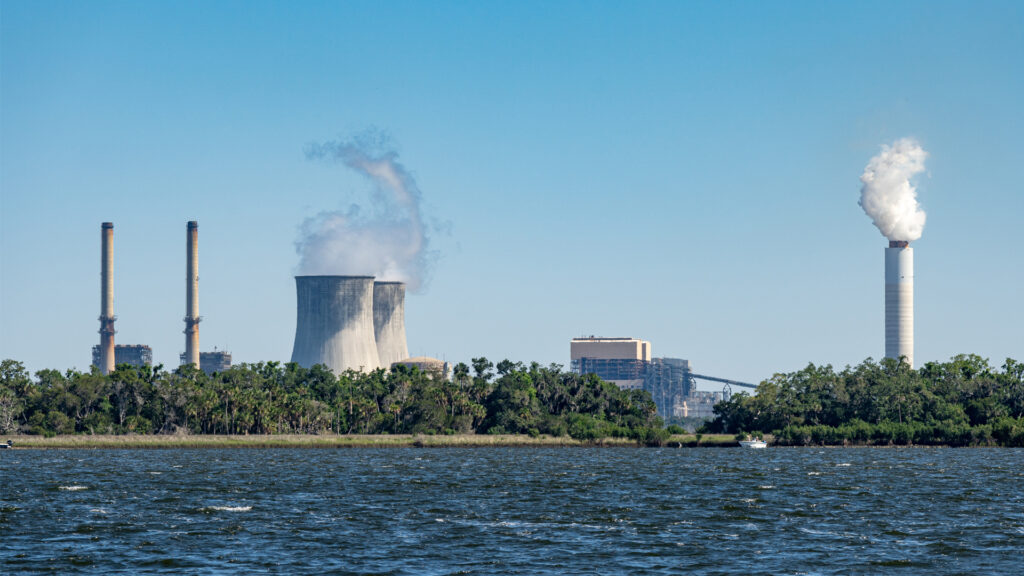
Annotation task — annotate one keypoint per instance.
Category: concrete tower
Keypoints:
(899, 301)
(389, 322)
(107, 298)
(334, 325)
(192, 318)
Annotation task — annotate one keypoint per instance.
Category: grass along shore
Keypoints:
(340, 441)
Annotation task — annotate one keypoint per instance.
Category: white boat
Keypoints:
(754, 443)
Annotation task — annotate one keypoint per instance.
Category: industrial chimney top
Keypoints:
(898, 243)
(107, 225)
(193, 224)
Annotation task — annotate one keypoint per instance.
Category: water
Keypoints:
(513, 511)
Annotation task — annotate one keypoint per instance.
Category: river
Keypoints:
(513, 511)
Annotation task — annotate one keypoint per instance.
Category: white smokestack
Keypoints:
(890, 199)
(899, 301)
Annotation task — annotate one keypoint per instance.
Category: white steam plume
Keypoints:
(887, 195)
(390, 243)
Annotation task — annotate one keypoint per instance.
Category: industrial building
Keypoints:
(698, 404)
(627, 363)
(137, 355)
(211, 362)
(334, 324)
(106, 355)
(621, 361)
(669, 380)
(349, 323)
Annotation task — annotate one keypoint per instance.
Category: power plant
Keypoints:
(349, 323)
(107, 317)
(334, 323)
(389, 322)
(889, 197)
(627, 363)
(106, 355)
(211, 362)
(192, 318)
(899, 301)
(137, 355)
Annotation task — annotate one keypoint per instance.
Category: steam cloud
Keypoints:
(391, 243)
(887, 195)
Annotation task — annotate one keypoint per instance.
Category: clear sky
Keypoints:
(682, 172)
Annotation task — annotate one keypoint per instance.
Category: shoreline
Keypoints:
(154, 441)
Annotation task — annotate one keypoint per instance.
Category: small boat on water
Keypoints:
(753, 443)
(9, 444)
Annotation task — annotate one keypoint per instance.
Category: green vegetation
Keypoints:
(271, 398)
(302, 441)
(74, 441)
(959, 403)
(963, 402)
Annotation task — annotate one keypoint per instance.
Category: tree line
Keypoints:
(273, 398)
(961, 402)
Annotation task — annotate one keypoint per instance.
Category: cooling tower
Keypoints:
(334, 326)
(389, 322)
(192, 318)
(107, 298)
(899, 301)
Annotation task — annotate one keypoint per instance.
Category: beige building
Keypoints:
(610, 348)
(622, 361)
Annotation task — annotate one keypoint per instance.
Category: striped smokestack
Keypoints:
(192, 318)
(899, 301)
(107, 298)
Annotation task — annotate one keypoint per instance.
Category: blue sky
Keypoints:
(683, 172)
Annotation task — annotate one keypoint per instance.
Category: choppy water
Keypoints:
(513, 511)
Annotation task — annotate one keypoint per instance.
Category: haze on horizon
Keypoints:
(685, 173)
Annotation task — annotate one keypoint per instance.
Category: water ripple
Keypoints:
(513, 511)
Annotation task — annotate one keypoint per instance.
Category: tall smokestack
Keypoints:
(192, 318)
(107, 298)
(888, 195)
(334, 324)
(389, 322)
(899, 301)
